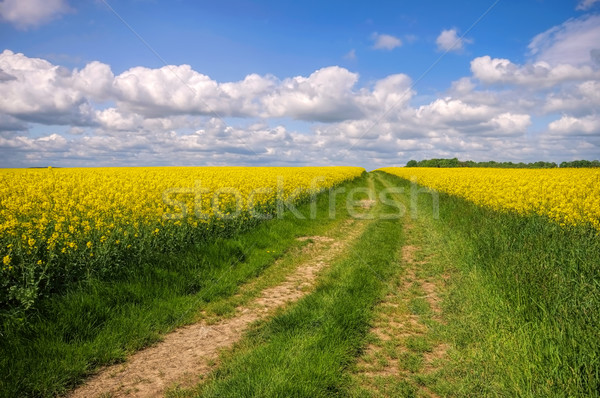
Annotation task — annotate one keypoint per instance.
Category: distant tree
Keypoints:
(455, 162)
(581, 163)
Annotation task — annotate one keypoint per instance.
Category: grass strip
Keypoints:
(100, 322)
(523, 303)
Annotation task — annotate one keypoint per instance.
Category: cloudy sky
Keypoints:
(238, 82)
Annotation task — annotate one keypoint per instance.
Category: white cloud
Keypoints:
(31, 13)
(454, 116)
(94, 80)
(463, 86)
(579, 99)
(173, 90)
(167, 90)
(448, 40)
(41, 92)
(585, 5)
(454, 111)
(393, 90)
(502, 71)
(163, 116)
(325, 95)
(36, 90)
(385, 42)
(509, 124)
(573, 42)
(588, 125)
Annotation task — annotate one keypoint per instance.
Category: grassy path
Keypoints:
(406, 346)
(306, 350)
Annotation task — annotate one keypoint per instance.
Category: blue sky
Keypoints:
(141, 82)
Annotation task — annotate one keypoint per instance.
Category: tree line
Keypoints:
(454, 162)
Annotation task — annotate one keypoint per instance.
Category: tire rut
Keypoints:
(402, 348)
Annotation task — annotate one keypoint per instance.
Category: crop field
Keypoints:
(305, 282)
(64, 223)
(570, 197)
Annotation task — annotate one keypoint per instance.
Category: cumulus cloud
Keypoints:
(448, 40)
(574, 42)
(385, 42)
(5, 77)
(38, 91)
(325, 95)
(502, 71)
(180, 89)
(391, 91)
(31, 13)
(509, 124)
(588, 125)
(578, 99)
(94, 80)
(454, 115)
(169, 116)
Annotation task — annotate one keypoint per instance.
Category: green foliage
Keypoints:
(454, 162)
(581, 163)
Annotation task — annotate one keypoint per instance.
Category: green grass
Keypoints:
(523, 303)
(100, 322)
(304, 352)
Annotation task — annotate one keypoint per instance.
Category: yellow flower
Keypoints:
(6, 260)
(69, 208)
(568, 196)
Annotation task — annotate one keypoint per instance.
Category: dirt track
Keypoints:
(189, 352)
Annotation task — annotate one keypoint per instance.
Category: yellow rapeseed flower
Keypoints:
(70, 210)
(568, 196)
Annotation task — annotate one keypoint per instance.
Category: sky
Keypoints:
(92, 83)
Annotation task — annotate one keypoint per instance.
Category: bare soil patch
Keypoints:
(433, 358)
